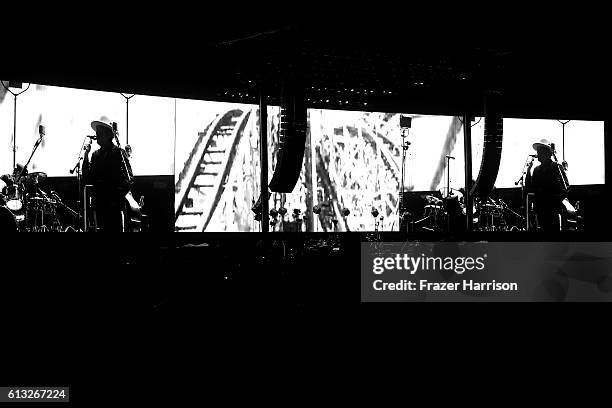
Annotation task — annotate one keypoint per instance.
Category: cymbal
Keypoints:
(37, 177)
(431, 198)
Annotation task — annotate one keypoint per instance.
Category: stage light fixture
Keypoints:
(316, 209)
(374, 212)
(405, 122)
(282, 211)
(346, 212)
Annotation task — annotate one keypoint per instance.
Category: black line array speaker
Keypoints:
(492, 146)
(292, 138)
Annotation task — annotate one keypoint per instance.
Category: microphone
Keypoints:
(114, 127)
(92, 137)
(533, 155)
(450, 157)
(41, 130)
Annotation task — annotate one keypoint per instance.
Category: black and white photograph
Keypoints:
(163, 187)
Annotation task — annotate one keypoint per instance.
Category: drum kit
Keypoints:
(34, 209)
(497, 215)
(448, 213)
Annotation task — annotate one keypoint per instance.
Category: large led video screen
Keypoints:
(67, 113)
(583, 149)
(352, 161)
(217, 168)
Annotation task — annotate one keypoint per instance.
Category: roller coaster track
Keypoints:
(386, 156)
(329, 191)
(202, 182)
(390, 161)
(388, 194)
(449, 143)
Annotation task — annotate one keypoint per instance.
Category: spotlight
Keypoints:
(296, 211)
(405, 122)
(273, 212)
(282, 211)
(316, 209)
(258, 217)
(345, 212)
(374, 212)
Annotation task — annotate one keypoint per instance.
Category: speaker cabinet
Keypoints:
(492, 147)
(292, 139)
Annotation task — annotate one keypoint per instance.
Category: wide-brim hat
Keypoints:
(103, 122)
(542, 143)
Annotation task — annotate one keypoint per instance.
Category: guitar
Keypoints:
(133, 214)
(132, 209)
(569, 208)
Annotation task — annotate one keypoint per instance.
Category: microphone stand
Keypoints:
(30, 159)
(521, 181)
(77, 169)
(60, 202)
(24, 169)
(448, 159)
(405, 145)
(507, 208)
(448, 193)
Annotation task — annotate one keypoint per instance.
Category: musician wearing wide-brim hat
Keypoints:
(546, 182)
(106, 172)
